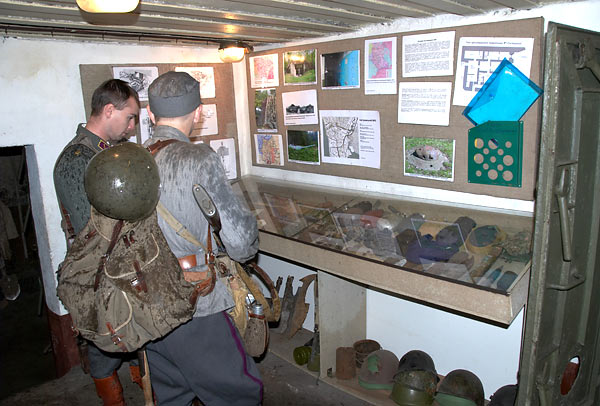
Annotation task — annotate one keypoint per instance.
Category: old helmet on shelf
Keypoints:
(122, 182)
(414, 388)
(460, 387)
(415, 381)
(378, 369)
(416, 360)
(505, 396)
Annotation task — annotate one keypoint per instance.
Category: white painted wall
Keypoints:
(42, 104)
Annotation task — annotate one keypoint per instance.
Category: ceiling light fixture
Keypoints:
(233, 51)
(107, 6)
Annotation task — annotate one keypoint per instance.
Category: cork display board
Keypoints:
(394, 136)
(218, 127)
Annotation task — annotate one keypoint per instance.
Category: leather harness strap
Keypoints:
(158, 145)
(205, 280)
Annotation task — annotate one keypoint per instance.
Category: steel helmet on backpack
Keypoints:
(122, 182)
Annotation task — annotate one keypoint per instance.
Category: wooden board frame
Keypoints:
(92, 75)
(392, 170)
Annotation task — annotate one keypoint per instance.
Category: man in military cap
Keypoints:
(115, 107)
(205, 357)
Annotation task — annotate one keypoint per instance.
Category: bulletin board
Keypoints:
(393, 133)
(220, 103)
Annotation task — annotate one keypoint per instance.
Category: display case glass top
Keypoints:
(466, 245)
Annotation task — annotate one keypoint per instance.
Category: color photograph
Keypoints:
(299, 67)
(303, 146)
(430, 158)
(265, 111)
(340, 70)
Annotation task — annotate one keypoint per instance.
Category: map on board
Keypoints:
(478, 58)
(340, 137)
(380, 60)
(269, 149)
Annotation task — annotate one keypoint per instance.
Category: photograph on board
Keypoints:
(265, 110)
(299, 67)
(138, 77)
(264, 71)
(340, 70)
(430, 158)
(303, 146)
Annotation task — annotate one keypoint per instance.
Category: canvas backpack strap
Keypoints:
(113, 241)
(177, 226)
(205, 286)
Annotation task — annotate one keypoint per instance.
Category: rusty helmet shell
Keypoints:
(463, 384)
(123, 182)
(378, 369)
(416, 360)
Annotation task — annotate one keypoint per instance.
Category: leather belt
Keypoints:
(187, 262)
(204, 281)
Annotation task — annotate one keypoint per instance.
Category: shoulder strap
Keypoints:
(177, 226)
(158, 145)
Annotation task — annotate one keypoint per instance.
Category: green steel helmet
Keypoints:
(122, 182)
(414, 388)
(377, 372)
(416, 360)
(460, 388)
(505, 396)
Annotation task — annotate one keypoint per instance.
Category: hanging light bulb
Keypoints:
(232, 51)
(107, 6)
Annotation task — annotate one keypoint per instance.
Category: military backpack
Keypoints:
(122, 284)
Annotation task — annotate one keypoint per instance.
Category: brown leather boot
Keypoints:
(136, 375)
(110, 390)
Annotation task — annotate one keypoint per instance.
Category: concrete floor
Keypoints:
(285, 385)
(27, 365)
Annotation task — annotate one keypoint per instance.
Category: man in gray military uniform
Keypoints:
(115, 107)
(205, 357)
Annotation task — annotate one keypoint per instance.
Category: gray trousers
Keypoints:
(204, 358)
(103, 363)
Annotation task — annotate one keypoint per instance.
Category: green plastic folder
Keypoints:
(495, 153)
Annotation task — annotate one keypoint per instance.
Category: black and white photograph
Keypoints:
(146, 126)
(300, 108)
(138, 77)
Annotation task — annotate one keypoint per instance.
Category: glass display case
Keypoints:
(464, 258)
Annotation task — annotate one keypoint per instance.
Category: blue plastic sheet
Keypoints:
(505, 96)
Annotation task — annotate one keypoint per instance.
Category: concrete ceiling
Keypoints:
(254, 21)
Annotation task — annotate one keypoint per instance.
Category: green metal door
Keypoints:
(560, 358)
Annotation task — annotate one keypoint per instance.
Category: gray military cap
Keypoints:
(174, 94)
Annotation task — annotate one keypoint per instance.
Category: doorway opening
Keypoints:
(26, 358)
